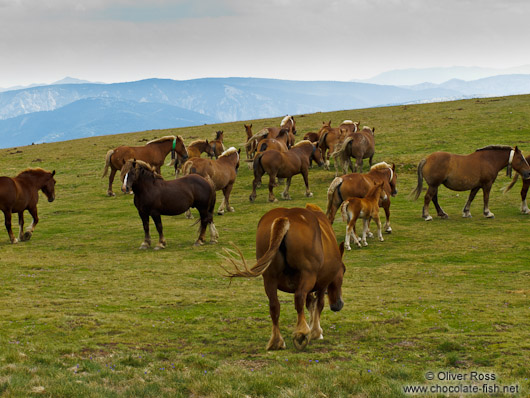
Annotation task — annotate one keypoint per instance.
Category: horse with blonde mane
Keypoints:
(349, 127)
(154, 153)
(222, 171)
(21, 193)
(524, 190)
(296, 252)
(360, 145)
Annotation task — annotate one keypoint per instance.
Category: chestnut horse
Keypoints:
(524, 190)
(195, 149)
(154, 153)
(366, 208)
(349, 126)
(358, 185)
(217, 144)
(289, 123)
(466, 172)
(296, 252)
(154, 197)
(285, 165)
(221, 171)
(330, 140)
(360, 145)
(22, 193)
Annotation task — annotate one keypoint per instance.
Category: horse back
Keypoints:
(457, 172)
(8, 193)
(15, 195)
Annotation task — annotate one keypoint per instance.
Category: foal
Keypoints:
(366, 208)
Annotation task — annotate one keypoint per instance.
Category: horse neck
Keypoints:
(303, 151)
(163, 147)
(374, 192)
(143, 182)
(34, 180)
(497, 157)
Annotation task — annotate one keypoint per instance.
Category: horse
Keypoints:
(154, 153)
(289, 123)
(360, 146)
(330, 139)
(524, 190)
(248, 130)
(349, 126)
(311, 136)
(221, 171)
(358, 185)
(296, 252)
(252, 143)
(366, 208)
(22, 193)
(154, 196)
(195, 149)
(285, 165)
(217, 144)
(466, 172)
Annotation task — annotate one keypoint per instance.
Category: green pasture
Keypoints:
(84, 313)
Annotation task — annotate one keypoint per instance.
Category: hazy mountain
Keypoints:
(94, 116)
(408, 77)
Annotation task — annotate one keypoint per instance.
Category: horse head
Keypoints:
(49, 187)
(317, 155)
(219, 135)
(393, 180)
(335, 287)
(519, 163)
(180, 149)
(208, 149)
(248, 130)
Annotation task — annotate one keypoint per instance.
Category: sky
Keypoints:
(42, 41)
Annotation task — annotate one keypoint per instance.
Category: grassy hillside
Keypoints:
(84, 313)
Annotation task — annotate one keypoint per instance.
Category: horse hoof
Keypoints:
(160, 247)
(428, 218)
(381, 239)
(347, 247)
(143, 247)
(388, 230)
(489, 215)
(198, 243)
(370, 235)
(365, 244)
(213, 242)
(220, 213)
(276, 345)
(231, 209)
(252, 198)
(466, 215)
(110, 193)
(27, 236)
(445, 216)
(301, 341)
(309, 195)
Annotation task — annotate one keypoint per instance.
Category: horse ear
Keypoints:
(341, 249)
(516, 149)
(393, 167)
(206, 141)
(53, 173)
(239, 151)
(250, 124)
(373, 130)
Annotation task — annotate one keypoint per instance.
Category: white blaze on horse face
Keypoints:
(124, 186)
(510, 160)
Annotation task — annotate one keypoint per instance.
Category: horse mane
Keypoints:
(494, 148)
(199, 141)
(300, 143)
(162, 139)
(218, 134)
(347, 122)
(29, 170)
(228, 152)
(143, 165)
(285, 120)
(380, 166)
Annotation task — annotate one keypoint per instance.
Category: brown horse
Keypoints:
(366, 208)
(154, 197)
(330, 140)
(217, 144)
(360, 145)
(297, 252)
(252, 143)
(22, 193)
(466, 172)
(222, 171)
(154, 153)
(311, 136)
(200, 146)
(524, 190)
(288, 123)
(358, 185)
(349, 126)
(285, 165)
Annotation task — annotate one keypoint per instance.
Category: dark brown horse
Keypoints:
(285, 165)
(222, 171)
(155, 197)
(297, 252)
(466, 172)
(360, 145)
(367, 208)
(358, 185)
(154, 153)
(330, 140)
(524, 190)
(22, 193)
(217, 144)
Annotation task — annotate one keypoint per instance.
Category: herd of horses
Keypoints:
(296, 248)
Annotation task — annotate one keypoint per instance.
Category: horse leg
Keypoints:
(257, 179)
(359, 164)
(276, 341)
(305, 173)
(7, 222)
(206, 218)
(111, 180)
(370, 160)
(356, 239)
(158, 224)
(465, 212)
(272, 178)
(147, 239)
(20, 226)
(366, 223)
(386, 207)
(439, 209)
(378, 222)
(486, 191)
(214, 235)
(285, 193)
(226, 200)
(189, 216)
(315, 305)
(29, 231)
(302, 333)
(349, 229)
(431, 192)
(524, 191)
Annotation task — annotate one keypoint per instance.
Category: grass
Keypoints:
(84, 313)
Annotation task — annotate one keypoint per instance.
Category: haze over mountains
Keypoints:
(71, 108)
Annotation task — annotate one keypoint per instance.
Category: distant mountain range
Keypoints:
(78, 109)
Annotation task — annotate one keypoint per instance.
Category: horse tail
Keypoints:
(416, 193)
(107, 162)
(186, 169)
(257, 162)
(279, 228)
(322, 139)
(514, 180)
(335, 186)
(263, 147)
(344, 211)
